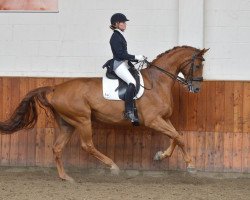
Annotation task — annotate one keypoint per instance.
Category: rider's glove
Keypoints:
(139, 57)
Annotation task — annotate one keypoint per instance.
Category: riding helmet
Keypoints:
(118, 17)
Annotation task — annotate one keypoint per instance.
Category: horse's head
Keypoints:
(192, 69)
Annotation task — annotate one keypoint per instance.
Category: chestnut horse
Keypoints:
(78, 101)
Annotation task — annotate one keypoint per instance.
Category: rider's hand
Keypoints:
(139, 57)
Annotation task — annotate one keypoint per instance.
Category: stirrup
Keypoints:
(130, 115)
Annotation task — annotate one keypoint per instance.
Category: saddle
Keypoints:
(114, 88)
(110, 79)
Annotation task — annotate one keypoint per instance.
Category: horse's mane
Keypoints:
(173, 49)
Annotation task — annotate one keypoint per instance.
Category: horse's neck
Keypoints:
(162, 83)
(170, 63)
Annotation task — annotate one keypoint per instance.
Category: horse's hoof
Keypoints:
(191, 169)
(67, 178)
(115, 170)
(158, 156)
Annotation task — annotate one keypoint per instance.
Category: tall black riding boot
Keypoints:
(129, 104)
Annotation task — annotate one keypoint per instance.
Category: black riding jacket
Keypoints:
(119, 47)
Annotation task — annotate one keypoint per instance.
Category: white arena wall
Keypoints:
(75, 41)
(227, 33)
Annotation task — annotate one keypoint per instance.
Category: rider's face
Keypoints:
(122, 26)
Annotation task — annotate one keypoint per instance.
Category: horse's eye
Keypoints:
(196, 67)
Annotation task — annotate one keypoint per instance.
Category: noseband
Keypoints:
(190, 78)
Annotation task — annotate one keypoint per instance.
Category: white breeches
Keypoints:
(124, 74)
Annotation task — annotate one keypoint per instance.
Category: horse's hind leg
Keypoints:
(85, 132)
(63, 138)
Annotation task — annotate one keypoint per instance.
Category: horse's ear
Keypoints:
(203, 51)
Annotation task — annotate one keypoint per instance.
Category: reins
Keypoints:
(185, 82)
(174, 77)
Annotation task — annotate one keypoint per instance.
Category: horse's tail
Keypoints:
(25, 115)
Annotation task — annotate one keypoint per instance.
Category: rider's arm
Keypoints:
(119, 50)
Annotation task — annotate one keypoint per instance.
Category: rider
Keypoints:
(121, 57)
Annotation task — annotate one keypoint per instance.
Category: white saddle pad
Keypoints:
(109, 86)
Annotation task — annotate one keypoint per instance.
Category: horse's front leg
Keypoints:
(166, 127)
(167, 153)
(170, 150)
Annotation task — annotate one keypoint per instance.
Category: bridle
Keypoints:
(190, 77)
